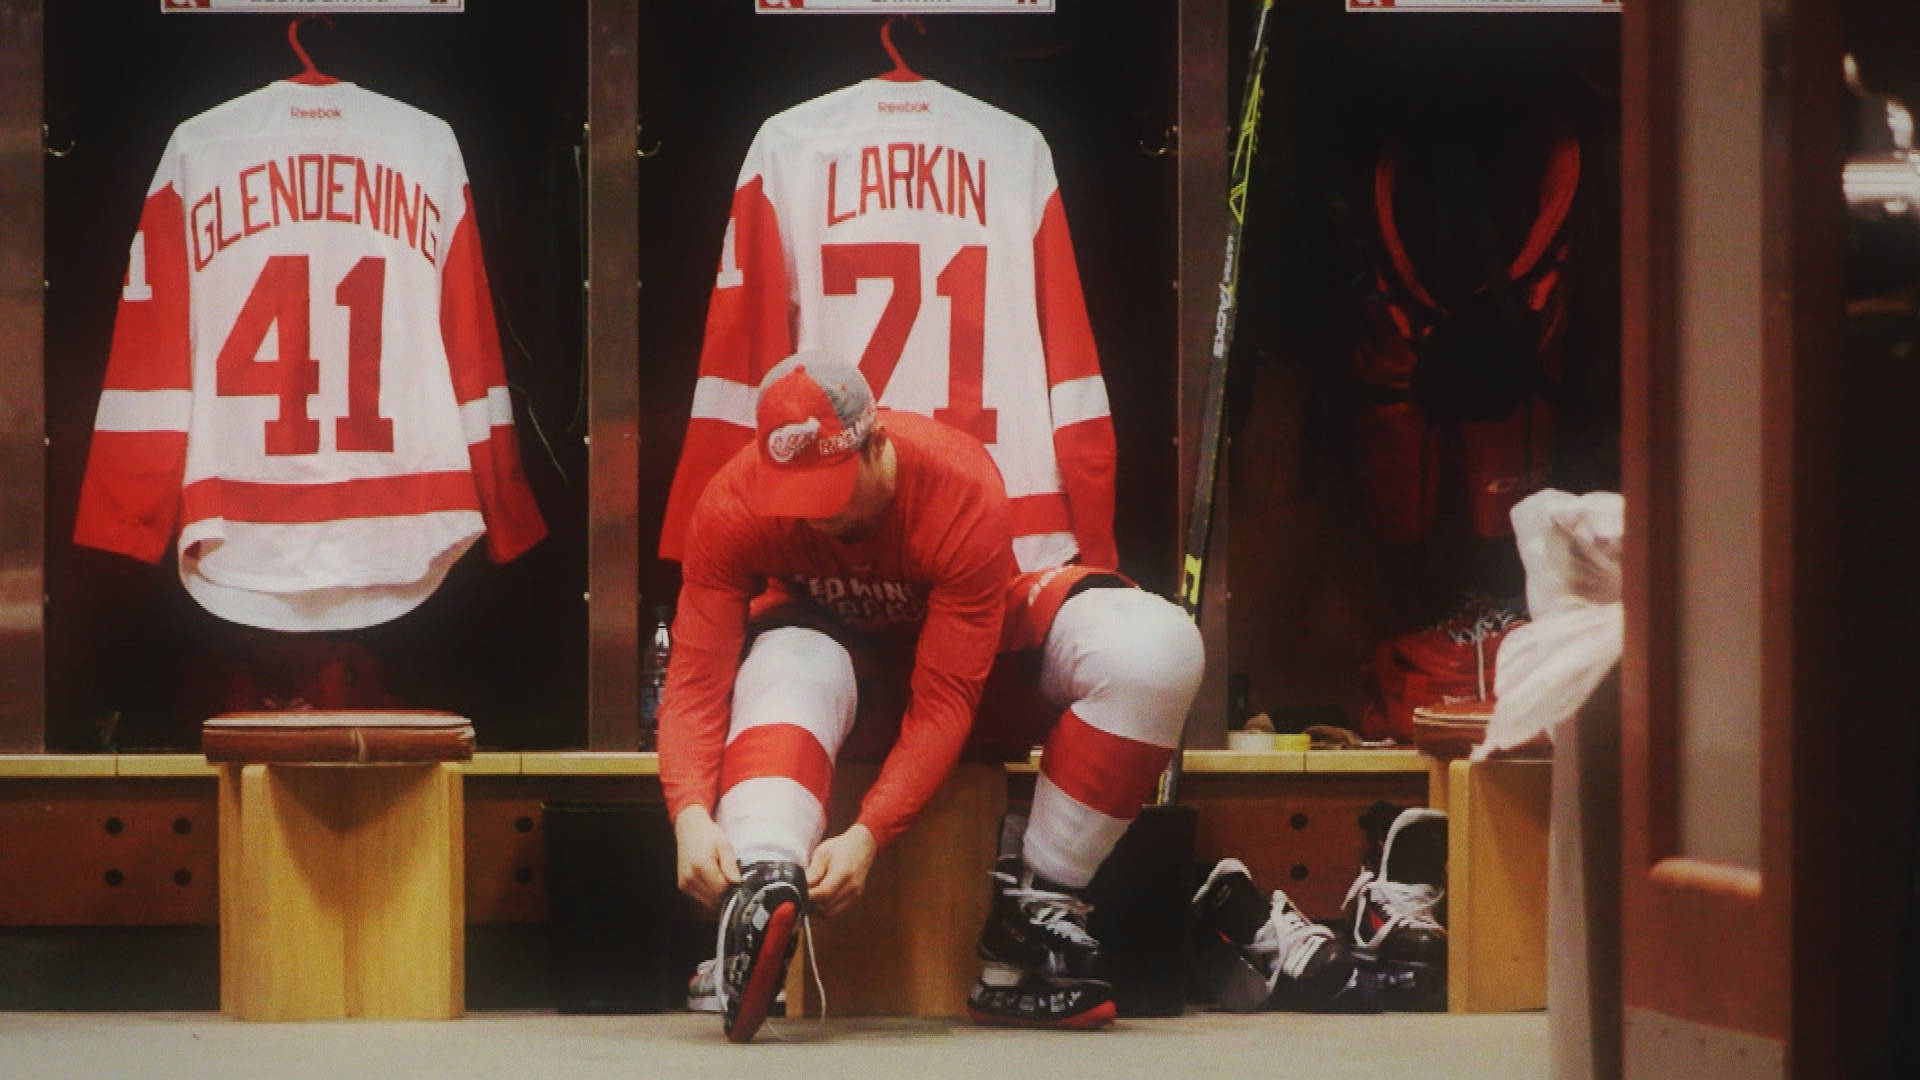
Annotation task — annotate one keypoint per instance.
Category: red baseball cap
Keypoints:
(814, 415)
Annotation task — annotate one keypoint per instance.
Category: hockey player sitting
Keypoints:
(849, 584)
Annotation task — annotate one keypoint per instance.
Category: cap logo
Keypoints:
(850, 438)
(787, 441)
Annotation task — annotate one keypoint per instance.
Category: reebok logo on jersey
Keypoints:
(787, 441)
(323, 112)
(905, 106)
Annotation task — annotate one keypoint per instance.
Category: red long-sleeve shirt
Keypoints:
(937, 565)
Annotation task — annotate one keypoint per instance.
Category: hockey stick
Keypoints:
(1200, 514)
(1141, 893)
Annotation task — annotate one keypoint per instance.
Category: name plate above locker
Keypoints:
(872, 7)
(1482, 7)
(281, 7)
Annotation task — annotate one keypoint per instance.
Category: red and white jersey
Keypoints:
(305, 378)
(921, 231)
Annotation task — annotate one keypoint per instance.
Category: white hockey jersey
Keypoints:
(305, 378)
(919, 231)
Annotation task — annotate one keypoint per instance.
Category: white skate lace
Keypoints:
(1288, 940)
(1056, 911)
(1404, 903)
(813, 965)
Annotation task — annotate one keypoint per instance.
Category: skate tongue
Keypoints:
(1376, 821)
(1230, 903)
(1289, 938)
(1415, 852)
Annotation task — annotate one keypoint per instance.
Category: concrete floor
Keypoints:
(202, 1046)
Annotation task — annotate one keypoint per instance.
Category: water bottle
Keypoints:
(653, 677)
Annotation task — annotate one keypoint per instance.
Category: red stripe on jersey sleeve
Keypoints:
(1087, 464)
(151, 349)
(513, 519)
(749, 318)
(1065, 333)
(307, 504)
(1100, 770)
(1036, 514)
(709, 445)
(1086, 451)
(467, 326)
(749, 330)
(131, 493)
(472, 342)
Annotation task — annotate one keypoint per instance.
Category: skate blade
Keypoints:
(769, 971)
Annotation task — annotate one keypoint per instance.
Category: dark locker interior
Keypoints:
(1316, 584)
(132, 662)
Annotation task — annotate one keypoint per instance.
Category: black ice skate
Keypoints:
(1398, 904)
(1042, 968)
(1282, 959)
(759, 927)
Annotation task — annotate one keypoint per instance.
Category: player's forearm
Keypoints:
(693, 726)
(930, 743)
(950, 668)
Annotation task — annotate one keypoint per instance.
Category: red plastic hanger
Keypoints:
(310, 76)
(901, 72)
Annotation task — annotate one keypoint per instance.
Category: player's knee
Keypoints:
(1148, 655)
(792, 668)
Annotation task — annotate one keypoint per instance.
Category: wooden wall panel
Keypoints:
(506, 843)
(108, 853)
(1302, 835)
(506, 860)
(613, 231)
(22, 381)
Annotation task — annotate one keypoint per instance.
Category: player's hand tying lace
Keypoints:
(838, 872)
(706, 864)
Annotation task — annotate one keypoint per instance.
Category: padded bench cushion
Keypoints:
(294, 738)
(1451, 731)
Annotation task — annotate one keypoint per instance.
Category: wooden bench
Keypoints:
(1496, 884)
(1289, 815)
(341, 871)
(906, 947)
